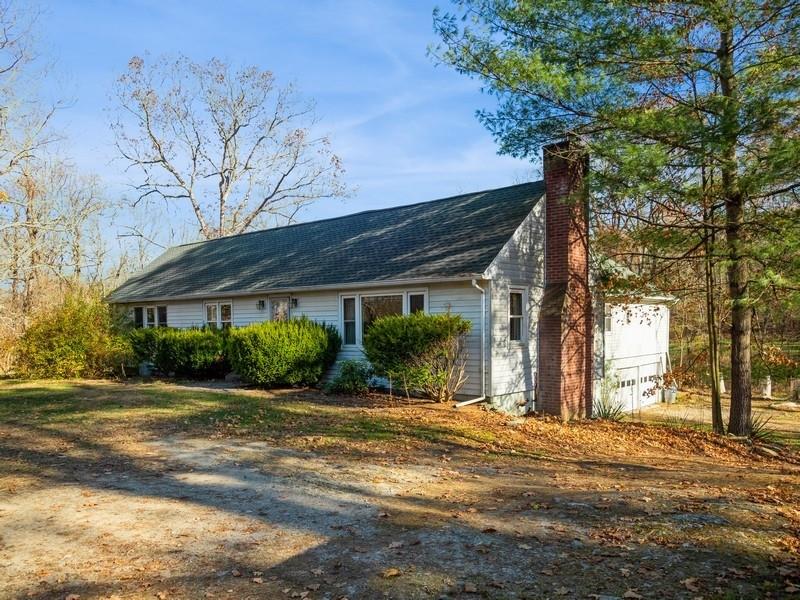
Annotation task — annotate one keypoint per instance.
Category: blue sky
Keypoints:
(404, 127)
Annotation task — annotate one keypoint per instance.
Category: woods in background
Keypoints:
(54, 234)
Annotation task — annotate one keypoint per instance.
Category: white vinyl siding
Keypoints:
(464, 300)
(519, 268)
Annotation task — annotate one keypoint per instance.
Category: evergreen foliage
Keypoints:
(275, 353)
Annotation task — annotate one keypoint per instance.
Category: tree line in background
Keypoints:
(232, 146)
(690, 112)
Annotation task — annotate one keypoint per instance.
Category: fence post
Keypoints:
(767, 387)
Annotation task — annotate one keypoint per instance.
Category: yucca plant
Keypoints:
(760, 431)
(607, 406)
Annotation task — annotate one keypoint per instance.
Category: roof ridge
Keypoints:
(355, 214)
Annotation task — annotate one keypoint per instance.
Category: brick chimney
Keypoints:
(565, 321)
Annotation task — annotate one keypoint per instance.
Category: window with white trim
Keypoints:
(225, 314)
(349, 320)
(375, 307)
(359, 311)
(211, 315)
(219, 315)
(149, 316)
(416, 302)
(607, 323)
(516, 315)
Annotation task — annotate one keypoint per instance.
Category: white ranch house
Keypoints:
(511, 260)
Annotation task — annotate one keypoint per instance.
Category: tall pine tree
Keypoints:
(690, 111)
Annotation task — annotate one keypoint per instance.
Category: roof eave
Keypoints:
(284, 290)
(643, 298)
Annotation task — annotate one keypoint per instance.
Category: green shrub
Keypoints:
(423, 352)
(352, 379)
(83, 337)
(275, 353)
(144, 343)
(194, 353)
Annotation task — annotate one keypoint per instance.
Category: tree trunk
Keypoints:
(741, 385)
(712, 327)
(741, 324)
(713, 346)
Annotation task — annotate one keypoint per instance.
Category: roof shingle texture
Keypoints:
(447, 238)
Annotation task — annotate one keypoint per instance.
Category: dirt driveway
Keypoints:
(158, 491)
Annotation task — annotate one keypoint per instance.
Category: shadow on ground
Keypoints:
(162, 499)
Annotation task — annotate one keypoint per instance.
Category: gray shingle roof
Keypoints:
(447, 238)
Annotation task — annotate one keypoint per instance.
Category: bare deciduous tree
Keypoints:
(231, 143)
(49, 233)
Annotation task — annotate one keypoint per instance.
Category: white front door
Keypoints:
(279, 309)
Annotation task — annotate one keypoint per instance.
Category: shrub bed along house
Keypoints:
(193, 353)
(275, 353)
(196, 353)
(422, 352)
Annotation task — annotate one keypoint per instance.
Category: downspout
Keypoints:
(482, 397)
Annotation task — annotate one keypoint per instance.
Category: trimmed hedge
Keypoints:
(423, 352)
(195, 353)
(276, 353)
(80, 338)
(192, 353)
(144, 343)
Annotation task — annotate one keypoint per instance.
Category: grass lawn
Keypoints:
(155, 490)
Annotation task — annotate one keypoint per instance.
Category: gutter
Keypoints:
(482, 397)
